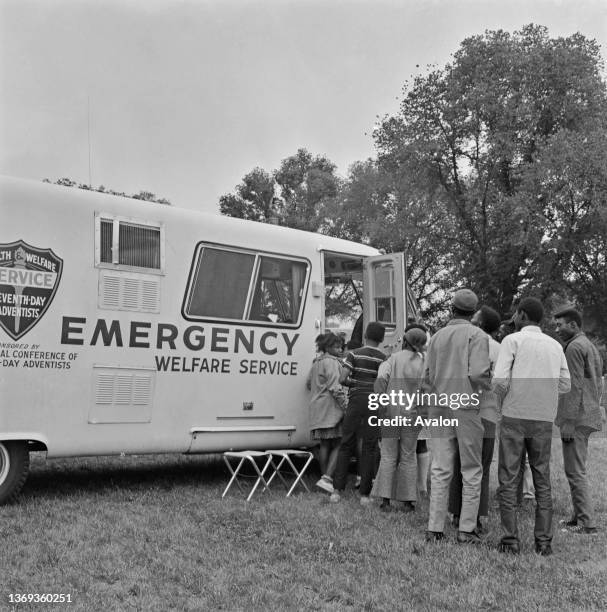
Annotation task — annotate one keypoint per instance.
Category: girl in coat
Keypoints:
(327, 405)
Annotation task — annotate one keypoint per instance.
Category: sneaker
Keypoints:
(325, 484)
(335, 497)
(365, 500)
(357, 482)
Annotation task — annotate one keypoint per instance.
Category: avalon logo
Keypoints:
(29, 277)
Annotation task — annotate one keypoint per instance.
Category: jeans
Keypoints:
(516, 436)
(575, 454)
(356, 425)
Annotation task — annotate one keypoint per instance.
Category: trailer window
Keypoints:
(385, 294)
(128, 244)
(278, 291)
(221, 284)
(231, 285)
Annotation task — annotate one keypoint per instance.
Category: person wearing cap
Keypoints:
(530, 374)
(489, 321)
(396, 477)
(457, 365)
(579, 414)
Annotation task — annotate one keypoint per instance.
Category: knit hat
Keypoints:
(416, 338)
(465, 300)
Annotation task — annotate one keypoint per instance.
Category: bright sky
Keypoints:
(188, 96)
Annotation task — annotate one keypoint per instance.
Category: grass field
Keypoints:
(152, 533)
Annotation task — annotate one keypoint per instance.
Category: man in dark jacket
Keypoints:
(579, 414)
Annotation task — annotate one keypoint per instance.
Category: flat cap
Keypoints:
(465, 299)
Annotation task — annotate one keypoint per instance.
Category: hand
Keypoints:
(568, 431)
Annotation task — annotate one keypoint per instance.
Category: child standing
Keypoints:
(402, 372)
(359, 373)
(327, 405)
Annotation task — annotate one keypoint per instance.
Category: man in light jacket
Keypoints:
(579, 414)
(530, 374)
(457, 366)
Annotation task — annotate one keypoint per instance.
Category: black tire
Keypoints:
(14, 468)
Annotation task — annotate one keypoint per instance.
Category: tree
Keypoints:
(372, 209)
(471, 133)
(146, 196)
(570, 178)
(296, 194)
(307, 185)
(254, 198)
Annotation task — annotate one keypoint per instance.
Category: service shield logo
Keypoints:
(29, 278)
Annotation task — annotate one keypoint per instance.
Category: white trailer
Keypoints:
(134, 327)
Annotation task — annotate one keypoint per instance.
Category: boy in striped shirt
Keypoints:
(359, 374)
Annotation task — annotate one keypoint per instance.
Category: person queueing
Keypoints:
(530, 374)
(359, 374)
(489, 321)
(327, 405)
(578, 415)
(396, 477)
(457, 365)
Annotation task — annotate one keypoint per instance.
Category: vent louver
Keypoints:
(122, 395)
(129, 291)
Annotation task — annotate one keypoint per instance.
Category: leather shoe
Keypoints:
(434, 536)
(513, 549)
(468, 537)
(545, 550)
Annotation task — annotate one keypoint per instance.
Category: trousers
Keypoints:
(575, 454)
(397, 474)
(516, 437)
(455, 490)
(356, 425)
(467, 437)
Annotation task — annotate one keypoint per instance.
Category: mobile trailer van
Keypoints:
(129, 327)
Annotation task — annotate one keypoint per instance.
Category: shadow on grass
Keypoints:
(131, 474)
(49, 478)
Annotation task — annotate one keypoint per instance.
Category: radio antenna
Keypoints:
(88, 124)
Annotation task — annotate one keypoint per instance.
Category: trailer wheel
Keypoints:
(14, 467)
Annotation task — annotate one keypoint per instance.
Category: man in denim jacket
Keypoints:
(579, 414)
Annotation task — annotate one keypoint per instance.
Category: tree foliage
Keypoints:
(146, 196)
(296, 194)
(476, 130)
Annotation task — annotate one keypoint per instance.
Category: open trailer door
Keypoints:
(387, 298)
